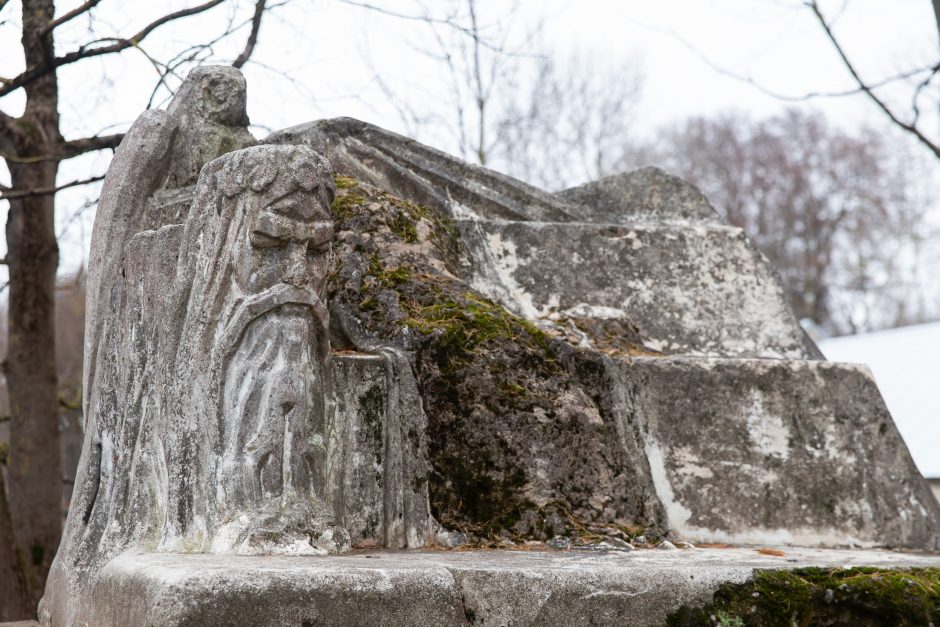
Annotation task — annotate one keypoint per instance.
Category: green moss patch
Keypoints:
(344, 182)
(821, 596)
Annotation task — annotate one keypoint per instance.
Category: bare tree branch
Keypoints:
(3, 3)
(45, 191)
(76, 147)
(915, 105)
(12, 158)
(70, 149)
(252, 36)
(866, 89)
(936, 13)
(449, 22)
(59, 21)
(84, 52)
(811, 95)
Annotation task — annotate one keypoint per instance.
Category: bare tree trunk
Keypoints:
(14, 598)
(34, 469)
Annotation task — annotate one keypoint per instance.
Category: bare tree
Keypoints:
(507, 102)
(32, 147)
(480, 52)
(573, 124)
(910, 122)
(840, 216)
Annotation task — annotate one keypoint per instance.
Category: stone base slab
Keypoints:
(436, 587)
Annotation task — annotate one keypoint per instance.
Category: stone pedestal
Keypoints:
(519, 588)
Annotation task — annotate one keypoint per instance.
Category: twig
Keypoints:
(810, 95)
(252, 36)
(76, 147)
(45, 191)
(84, 52)
(59, 21)
(428, 19)
(866, 89)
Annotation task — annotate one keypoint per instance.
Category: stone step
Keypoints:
(519, 588)
(688, 289)
(774, 451)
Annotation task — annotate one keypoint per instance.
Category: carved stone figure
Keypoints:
(209, 400)
(252, 372)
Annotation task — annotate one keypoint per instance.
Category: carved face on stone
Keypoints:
(287, 226)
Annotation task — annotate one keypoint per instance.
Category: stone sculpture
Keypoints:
(252, 357)
(210, 406)
(284, 360)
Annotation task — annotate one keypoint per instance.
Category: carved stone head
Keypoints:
(285, 195)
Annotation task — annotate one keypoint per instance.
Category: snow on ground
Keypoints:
(906, 365)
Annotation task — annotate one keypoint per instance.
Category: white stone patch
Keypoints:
(655, 345)
(766, 536)
(460, 211)
(677, 515)
(690, 464)
(586, 310)
(766, 430)
(499, 260)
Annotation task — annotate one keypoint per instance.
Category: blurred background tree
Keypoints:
(840, 215)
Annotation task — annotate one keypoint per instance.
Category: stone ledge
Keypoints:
(437, 587)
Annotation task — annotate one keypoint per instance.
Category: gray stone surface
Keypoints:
(211, 420)
(644, 249)
(778, 452)
(424, 175)
(380, 490)
(648, 194)
(699, 290)
(517, 588)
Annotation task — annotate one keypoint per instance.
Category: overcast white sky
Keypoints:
(320, 58)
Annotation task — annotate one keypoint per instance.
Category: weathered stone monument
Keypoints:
(302, 350)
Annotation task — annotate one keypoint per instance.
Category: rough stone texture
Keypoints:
(506, 403)
(773, 451)
(436, 588)
(409, 169)
(284, 362)
(361, 394)
(211, 420)
(381, 479)
(686, 289)
(648, 194)
(662, 265)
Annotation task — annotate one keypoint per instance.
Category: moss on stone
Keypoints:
(823, 596)
(404, 227)
(491, 382)
(344, 182)
(463, 325)
(343, 205)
